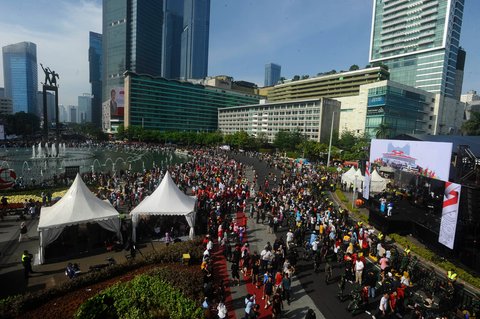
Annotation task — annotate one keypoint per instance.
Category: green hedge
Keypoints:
(434, 258)
(146, 296)
(12, 306)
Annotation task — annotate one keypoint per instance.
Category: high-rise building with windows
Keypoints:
(159, 38)
(20, 76)
(419, 41)
(272, 74)
(95, 76)
(132, 40)
(172, 38)
(195, 39)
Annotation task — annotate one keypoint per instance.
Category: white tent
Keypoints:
(168, 200)
(347, 174)
(357, 179)
(79, 205)
(378, 183)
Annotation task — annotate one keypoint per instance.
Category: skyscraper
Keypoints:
(272, 74)
(418, 41)
(195, 39)
(132, 40)
(20, 76)
(95, 78)
(172, 38)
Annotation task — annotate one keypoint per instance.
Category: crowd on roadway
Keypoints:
(294, 198)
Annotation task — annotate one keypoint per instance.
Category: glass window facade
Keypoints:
(195, 39)
(272, 74)
(418, 41)
(95, 68)
(161, 104)
(402, 110)
(20, 76)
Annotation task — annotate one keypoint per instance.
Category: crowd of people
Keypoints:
(289, 197)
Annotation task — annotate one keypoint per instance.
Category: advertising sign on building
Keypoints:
(430, 159)
(448, 223)
(113, 108)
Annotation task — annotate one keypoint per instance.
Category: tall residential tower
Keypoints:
(419, 41)
(20, 76)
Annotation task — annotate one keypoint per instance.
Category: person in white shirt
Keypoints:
(383, 306)
(222, 310)
(289, 238)
(359, 266)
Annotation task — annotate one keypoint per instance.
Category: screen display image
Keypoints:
(430, 159)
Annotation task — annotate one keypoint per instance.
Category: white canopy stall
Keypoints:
(346, 176)
(168, 200)
(358, 179)
(378, 183)
(78, 206)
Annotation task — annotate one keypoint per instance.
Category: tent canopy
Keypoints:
(168, 200)
(79, 205)
(347, 174)
(378, 183)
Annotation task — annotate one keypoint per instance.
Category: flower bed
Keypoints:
(16, 306)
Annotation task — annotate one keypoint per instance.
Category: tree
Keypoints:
(383, 131)
(305, 76)
(472, 126)
(296, 78)
(354, 67)
(282, 80)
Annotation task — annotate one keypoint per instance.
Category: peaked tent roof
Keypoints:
(167, 199)
(78, 205)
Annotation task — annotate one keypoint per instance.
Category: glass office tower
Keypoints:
(172, 38)
(272, 74)
(20, 76)
(195, 39)
(95, 71)
(418, 41)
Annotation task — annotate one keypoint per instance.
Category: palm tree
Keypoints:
(383, 130)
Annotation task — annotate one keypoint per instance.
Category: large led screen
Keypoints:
(430, 159)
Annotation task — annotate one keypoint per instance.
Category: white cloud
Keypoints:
(61, 45)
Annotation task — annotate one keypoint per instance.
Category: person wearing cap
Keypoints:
(23, 232)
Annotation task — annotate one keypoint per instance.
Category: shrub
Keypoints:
(140, 298)
(12, 306)
(434, 258)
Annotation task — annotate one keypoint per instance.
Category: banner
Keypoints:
(366, 182)
(448, 224)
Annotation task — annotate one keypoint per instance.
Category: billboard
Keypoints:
(430, 159)
(116, 102)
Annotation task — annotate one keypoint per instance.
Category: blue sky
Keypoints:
(303, 36)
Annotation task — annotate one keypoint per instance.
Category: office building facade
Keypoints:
(331, 86)
(85, 108)
(95, 76)
(172, 38)
(195, 39)
(311, 117)
(170, 105)
(20, 76)
(419, 42)
(6, 106)
(272, 74)
(159, 38)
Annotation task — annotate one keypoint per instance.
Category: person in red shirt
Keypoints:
(278, 280)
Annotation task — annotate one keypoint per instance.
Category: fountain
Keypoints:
(33, 151)
(39, 152)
